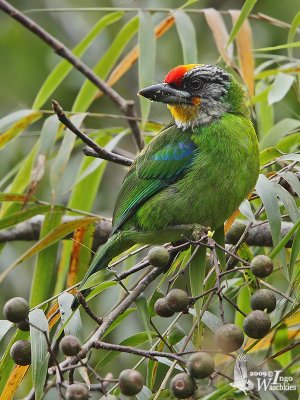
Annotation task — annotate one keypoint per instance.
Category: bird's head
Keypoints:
(197, 94)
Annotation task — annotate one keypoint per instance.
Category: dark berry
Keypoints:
(261, 266)
(77, 391)
(177, 300)
(229, 337)
(23, 326)
(182, 386)
(20, 352)
(257, 324)
(70, 345)
(263, 299)
(200, 365)
(162, 309)
(159, 257)
(130, 382)
(235, 231)
(16, 309)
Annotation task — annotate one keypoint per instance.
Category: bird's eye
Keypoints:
(195, 84)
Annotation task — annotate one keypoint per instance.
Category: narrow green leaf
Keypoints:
(288, 202)
(197, 271)
(176, 334)
(245, 11)
(48, 135)
(45, 266)
(225, 392)
(144, 394)
(281, 85)
(64, 152)
(99, 288)
(268, 155)
(52, 237)
(4, 327)
(295, 248)
(187, 36)
(290, 157)
(211, 321)
(21, 216)
(12, 118)
(264, 112)
(18, 128)
(284, 240)
(61, 71)
(266, 191)
(142, 307)
(293, 180)
(88, 91)
(278, 131)
(280, 47)
(39, 350)
(146, 61)
(243, 302)
(281, 340)
(70, 319)
(246, 210)
(20, 181)
(132, 341)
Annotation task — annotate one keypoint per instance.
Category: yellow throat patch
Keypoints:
(184, 114)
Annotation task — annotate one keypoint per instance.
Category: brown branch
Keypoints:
(126, 106)
(100, 151)
(115, 313)
(259, 234)
(144, 353)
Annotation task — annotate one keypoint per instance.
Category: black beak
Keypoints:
(165, 93)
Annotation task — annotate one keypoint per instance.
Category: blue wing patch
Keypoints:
(175, 153)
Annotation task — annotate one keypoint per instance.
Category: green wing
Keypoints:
(165, 160)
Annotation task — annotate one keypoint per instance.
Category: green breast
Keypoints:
(224, 170)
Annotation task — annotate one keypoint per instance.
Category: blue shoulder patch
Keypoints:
(170, 152)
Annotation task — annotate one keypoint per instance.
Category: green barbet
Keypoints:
(196, 171)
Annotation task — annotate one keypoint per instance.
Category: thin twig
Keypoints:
(126, 106)
(102, 153)
(87, 309)
(151, 354)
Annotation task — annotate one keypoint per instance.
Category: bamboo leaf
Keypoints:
(197, 271)
(280, 47)
(244, 47)
(52, 237)
(71, 320)
(18, 128)
(278, 131)
(142, 307)
(4, 327)
(284, 240)
(288, 202)
(295, 248)
(126, 63)
(39, 350)
(187, 36)
(281, 85)
(20, 181)
(147, 46)
(246, 210)
(245, 11)
(216, 24)
(64, 152)
(21, 216)
(268, 155)
(61, 71)
(48, 135)
(45, 265)
(132, 341)
(266, 191)
(88, 91)
(10, 119)
(292, 179)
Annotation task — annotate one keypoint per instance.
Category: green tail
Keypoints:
(115, 245)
